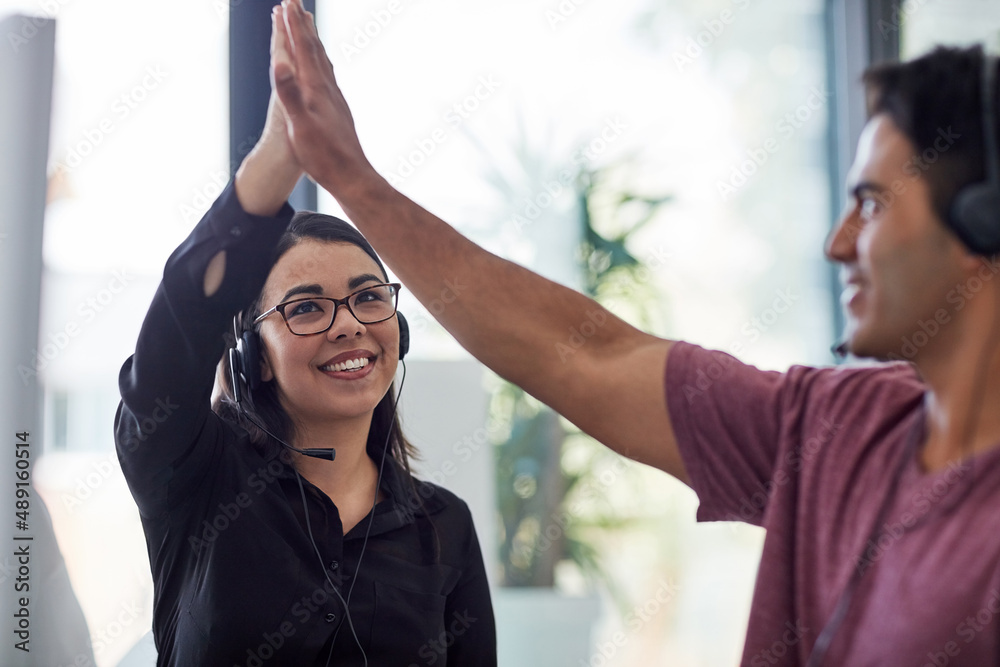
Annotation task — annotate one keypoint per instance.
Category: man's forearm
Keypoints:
(510, 318)
(557, 344)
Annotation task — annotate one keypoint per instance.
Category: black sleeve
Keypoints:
(469, 611)
(166, 385)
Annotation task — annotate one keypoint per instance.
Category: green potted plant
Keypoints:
(551, 478)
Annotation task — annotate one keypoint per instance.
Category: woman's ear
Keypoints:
(266, 374)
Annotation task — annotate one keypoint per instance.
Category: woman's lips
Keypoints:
(350, 365)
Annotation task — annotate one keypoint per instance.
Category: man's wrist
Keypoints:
(357, 190)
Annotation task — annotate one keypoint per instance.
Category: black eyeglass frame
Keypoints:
(337, 303)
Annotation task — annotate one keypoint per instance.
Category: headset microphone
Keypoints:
(243, 367)
(327, 453)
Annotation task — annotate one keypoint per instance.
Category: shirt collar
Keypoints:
(405, 497)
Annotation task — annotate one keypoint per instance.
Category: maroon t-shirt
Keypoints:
(815, 456)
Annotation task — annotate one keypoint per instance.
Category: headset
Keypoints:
(244, 365)
(975, 209)
(974, 216)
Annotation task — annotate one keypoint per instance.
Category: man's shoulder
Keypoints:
(858, 384)
(698, 370)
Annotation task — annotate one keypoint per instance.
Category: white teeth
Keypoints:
(849, 292)
(349, 365)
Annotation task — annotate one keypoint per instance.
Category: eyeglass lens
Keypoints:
(371, 305)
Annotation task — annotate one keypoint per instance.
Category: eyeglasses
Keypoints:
(313, 315)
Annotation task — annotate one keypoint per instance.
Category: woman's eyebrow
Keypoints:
(303, 289)
(358, 281)
(315, 288)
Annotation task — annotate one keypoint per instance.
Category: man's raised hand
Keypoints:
(320, 125)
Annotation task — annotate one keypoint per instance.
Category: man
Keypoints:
(877, 485)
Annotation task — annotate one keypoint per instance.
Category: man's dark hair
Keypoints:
(936, 98)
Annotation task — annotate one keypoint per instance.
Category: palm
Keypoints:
(319, 124)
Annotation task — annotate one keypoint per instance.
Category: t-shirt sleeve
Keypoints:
(727, 419)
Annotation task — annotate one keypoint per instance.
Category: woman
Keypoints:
(264, 551)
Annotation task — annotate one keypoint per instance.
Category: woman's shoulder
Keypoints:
(423, 498)
(438, 496)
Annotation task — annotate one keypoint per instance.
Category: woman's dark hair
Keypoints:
(261, 405)
(935, 100)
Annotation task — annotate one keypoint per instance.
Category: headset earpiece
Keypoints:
(248, 348)
(404, 335)
(244, 362)
(975, 210)
(235, 374)
(976, 214)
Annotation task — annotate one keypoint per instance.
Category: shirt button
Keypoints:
(334, 565)
(236, 231)
(331, 617)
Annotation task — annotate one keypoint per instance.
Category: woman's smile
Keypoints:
(351, 365)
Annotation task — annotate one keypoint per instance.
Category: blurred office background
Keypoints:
(738, 117)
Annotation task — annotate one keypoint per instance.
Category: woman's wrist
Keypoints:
(266, 178)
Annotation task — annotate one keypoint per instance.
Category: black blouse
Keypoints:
(237, 579)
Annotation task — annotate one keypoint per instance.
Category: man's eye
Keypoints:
(870, 207)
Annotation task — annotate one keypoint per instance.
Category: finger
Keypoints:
(290, 96)
(326, 56)
(307, 51)
(283, 14)
(280, 57)
(312, 22)
(277, 29)
(293, 20)
(283, 69)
